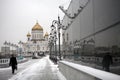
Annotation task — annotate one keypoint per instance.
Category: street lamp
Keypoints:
(51, 45)
(54, 37)
(54, 22)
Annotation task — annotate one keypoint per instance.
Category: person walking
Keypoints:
(13, 63)
(107, 61)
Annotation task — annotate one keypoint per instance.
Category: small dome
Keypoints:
(28, 35)
(37, 27)
(46, 34)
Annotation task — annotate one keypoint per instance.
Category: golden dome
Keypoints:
(28, 35)
(37, 27)
(46, 34)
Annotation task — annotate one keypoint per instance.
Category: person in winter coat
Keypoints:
(107, 61)
(13, 63)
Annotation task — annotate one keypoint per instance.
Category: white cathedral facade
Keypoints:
(37, 42)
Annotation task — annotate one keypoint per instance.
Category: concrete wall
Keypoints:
(73, 71)
(98, 14)
(99, 20)
(73, 74)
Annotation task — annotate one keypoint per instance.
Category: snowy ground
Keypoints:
(37, 69)
(5, 73)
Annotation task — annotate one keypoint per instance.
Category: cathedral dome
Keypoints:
(28, 35)
(46, 34)
(37, 27)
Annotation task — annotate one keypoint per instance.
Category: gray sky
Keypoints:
(17, 17)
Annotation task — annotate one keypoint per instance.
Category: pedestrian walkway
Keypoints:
(43, 69)
(5, 73)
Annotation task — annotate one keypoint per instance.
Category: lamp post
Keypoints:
(50, 47)
(54, 22)
(50, 44)
(54, 38)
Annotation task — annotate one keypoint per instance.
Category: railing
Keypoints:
(4, 61)
(73, 71)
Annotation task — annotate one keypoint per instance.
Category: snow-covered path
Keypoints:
(43, 69)
(6, 73)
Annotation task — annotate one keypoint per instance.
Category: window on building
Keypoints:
(32, 36)
(35, 36)
(67, 37)
(38, 47)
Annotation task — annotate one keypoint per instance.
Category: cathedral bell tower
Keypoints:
(46, 36)
(28, 36)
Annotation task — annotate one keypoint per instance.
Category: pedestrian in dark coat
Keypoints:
(107, 61)
(13, 63)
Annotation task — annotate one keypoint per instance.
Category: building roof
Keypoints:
(37, 27)
(28, 35)
(46, 34)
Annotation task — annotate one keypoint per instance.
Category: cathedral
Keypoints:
(37, 42)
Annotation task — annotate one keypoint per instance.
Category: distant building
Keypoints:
(5, 50)
(37, 42)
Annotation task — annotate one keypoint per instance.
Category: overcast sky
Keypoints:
(17, 17)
